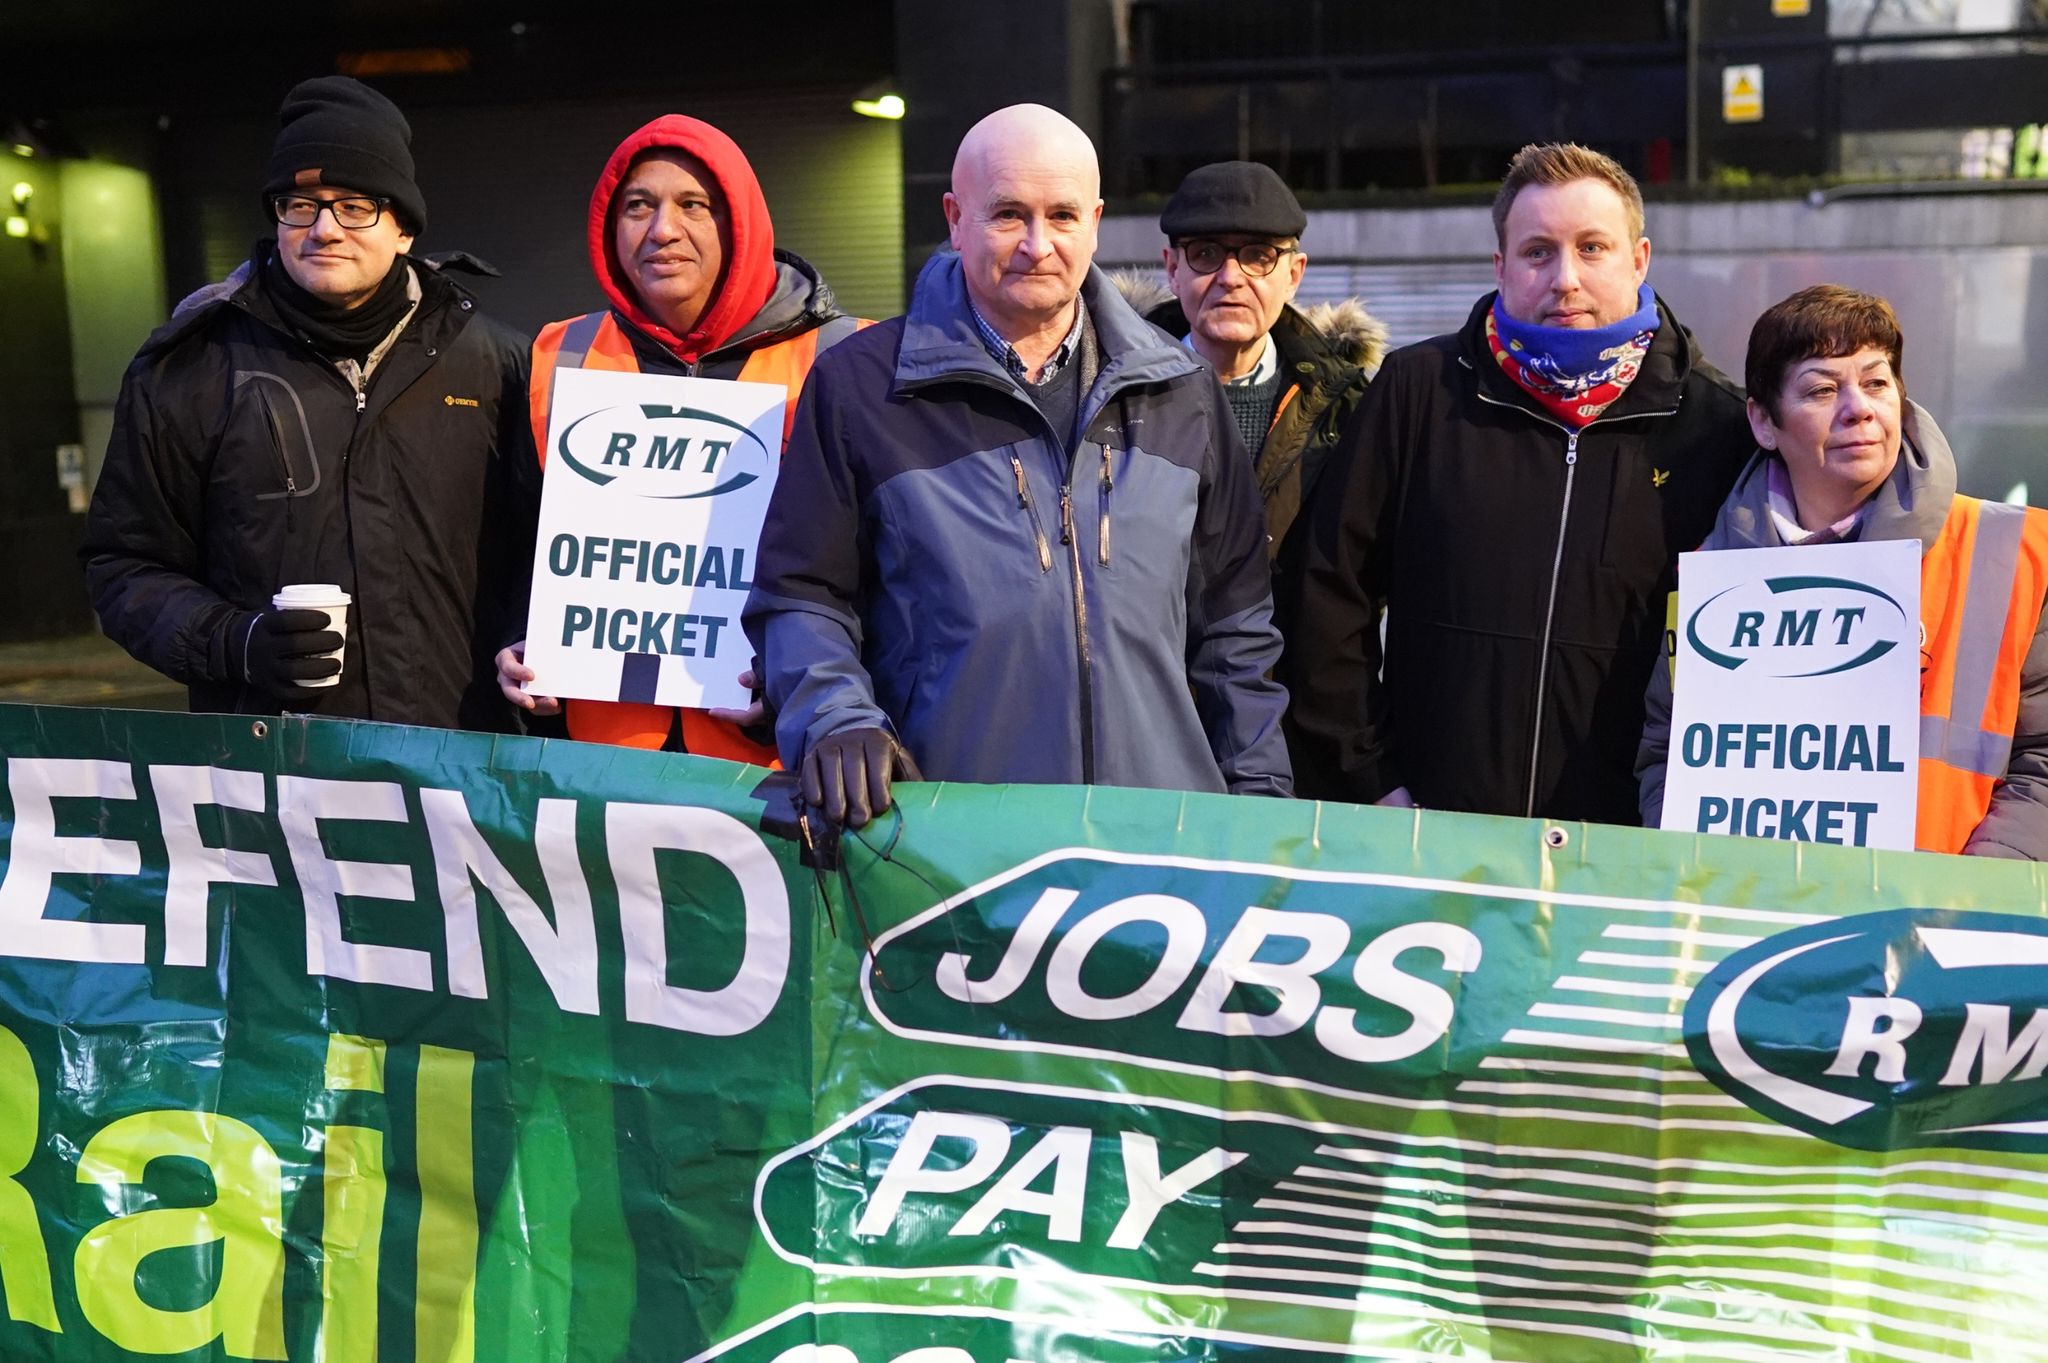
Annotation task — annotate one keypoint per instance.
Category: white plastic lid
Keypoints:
(311, 594)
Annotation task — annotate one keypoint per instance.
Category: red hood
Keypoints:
(749, 276)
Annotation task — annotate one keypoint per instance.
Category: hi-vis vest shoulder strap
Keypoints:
(596, 341)
(1982, 585)
(592, 341)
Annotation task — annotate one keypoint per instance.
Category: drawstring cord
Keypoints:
(886, 853)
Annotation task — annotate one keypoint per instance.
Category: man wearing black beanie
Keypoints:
(337, 412)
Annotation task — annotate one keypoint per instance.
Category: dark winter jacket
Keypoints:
(1523, 571)
(242, 461)
(936, 563)
(1327, 353)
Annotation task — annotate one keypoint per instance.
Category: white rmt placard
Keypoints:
(1796, 712)
(650, 512)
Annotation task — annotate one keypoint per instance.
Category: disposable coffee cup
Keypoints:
(319, 596)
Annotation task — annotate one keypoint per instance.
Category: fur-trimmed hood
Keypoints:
(1351, 332)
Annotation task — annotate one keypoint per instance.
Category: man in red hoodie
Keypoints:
(682, 246)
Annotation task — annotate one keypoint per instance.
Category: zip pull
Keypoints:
(1108, 485)
(1066, 515)
(362, 401)
(1037, 530)
(1571, 449)
(291, 494)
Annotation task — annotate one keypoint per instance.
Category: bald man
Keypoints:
(1016, 537)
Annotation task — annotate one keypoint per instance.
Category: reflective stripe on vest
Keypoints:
(596, 341)
(786, 364)
(1982, 588)
(592, 341)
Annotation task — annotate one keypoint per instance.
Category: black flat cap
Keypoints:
(1233, 196)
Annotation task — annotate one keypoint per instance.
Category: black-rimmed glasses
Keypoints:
(1255, 258)
(295, 210)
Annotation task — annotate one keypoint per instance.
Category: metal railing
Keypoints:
(1320, 107)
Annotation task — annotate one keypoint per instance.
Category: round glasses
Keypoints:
(1255, 258)
(354, 213)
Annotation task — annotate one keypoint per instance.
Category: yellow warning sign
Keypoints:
(1791, 9)
(1742, 94)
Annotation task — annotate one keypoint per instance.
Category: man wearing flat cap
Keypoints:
(1233, 265)
(337, 413)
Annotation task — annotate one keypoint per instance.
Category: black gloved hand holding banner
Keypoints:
(846, 775)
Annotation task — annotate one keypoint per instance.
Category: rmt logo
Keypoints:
(1911, 1027)
(1798, 626)
(663, 452)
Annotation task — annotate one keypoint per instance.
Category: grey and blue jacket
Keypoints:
(939, 563)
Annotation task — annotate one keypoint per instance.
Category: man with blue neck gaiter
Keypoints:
(1514, 498)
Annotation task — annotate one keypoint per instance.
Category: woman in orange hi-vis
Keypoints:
(1844, 456)
(684, 251)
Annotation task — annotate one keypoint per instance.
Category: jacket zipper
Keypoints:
(1108, 486)
(291, 488)
(360, 645)
(1564, 514)
(1085, 665)
(1024, 501)
(284, 462)
(348, 521)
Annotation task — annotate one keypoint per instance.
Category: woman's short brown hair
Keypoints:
(1821, 322)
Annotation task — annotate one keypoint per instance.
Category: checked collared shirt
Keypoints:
(1006, 354)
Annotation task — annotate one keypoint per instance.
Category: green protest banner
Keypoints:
(345, 1042)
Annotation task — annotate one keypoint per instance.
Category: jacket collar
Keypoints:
(940, 341)
(1301, 344)
(1298, 342)
(800, 300)
(1656, 388)
(1911, 504)
(443, 305)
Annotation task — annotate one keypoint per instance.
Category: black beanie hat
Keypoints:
(1233, 196)
(338, 132)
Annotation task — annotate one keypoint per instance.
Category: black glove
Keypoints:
(846, 775)
(278, 651)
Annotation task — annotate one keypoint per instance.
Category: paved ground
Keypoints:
(86, 670)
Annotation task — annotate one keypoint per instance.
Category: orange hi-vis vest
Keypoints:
(596, 341)
(1982, 584)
